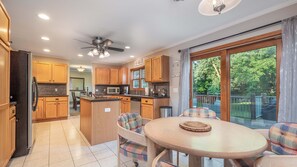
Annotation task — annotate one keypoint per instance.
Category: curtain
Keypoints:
(288, 72)
(184, 81)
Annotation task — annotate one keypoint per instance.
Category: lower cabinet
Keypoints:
(11, 135)
(125, 104)
(150, 108)
(51, 108)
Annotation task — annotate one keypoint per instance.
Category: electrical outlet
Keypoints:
(96, 90)
(56, 89)
(106, 109)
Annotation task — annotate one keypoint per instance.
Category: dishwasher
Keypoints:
(135, 104)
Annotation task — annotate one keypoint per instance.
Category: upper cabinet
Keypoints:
(4, 26)
(123, 76)
(148, 70)
(102, 76)
(60, 73)
(50, 73)
(114, 76)
(157, 69)
(111, 76)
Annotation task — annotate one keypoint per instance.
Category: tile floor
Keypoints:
(60, 144)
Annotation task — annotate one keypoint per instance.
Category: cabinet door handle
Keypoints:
(146, 101)
(57, 98)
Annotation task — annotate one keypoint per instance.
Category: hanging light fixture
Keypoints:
(80, 69)
(90, 53)
(106, 54)
(216, 7)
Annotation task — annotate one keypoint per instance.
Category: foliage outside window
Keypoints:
(138, 79)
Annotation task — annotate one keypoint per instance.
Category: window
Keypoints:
(240, 83)
(138, 78)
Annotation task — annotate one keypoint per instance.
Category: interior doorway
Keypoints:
(80, 85)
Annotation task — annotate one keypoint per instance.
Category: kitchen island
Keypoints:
(98, 118)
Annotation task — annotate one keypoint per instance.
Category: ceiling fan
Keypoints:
(100, 46)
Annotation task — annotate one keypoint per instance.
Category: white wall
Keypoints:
(226, 30)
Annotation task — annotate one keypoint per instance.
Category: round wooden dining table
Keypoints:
(225, 140)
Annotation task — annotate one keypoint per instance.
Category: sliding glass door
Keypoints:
(240, 84)
(253, 87)
(206, 80)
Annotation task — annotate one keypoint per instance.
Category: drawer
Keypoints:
(12, 111)
(147, 101)
(56, 99)
(126, 98)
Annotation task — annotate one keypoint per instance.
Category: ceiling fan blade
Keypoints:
(83, 41)
(88, 47)
(115, 49)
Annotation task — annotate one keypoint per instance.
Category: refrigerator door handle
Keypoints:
(35, 94)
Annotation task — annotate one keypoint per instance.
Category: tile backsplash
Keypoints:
(52, 89)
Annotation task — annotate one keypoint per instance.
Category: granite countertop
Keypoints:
(53, 95)
(142, 96)
(99, 99)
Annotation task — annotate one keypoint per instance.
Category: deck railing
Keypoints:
(251, 107)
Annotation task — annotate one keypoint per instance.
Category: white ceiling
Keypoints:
(145, 25)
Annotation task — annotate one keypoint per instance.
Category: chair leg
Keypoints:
(177, 158)
(119, 158)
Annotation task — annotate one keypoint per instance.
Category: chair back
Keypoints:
(200, 112)
(283, 138)
(130, 121)
(73, 97)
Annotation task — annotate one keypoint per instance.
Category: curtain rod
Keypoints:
(234, 35)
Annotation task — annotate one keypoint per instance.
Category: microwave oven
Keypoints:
(113, 90)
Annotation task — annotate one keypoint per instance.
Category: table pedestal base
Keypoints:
(195, 161)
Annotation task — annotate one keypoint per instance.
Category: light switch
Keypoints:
(106, 109)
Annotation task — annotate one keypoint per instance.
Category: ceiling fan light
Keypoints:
(101, 55)
(95, 52)
(90, 53)
(106, 54)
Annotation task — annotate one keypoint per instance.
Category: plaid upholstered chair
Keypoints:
(282, 139)
(131, 140)
(163, 160)
(200, 112)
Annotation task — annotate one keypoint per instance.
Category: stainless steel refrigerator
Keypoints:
(23, 91)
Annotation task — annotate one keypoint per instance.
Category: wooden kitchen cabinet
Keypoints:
(43, 72)
(114, 76)
(5, 150)
(123, 76)
(63, 109)
(160, 69)
(102, 76)
(39, 114)
(50, 73)
(50, 110)
(148, 70)
(150, 108)
(56, 107)
(59, 73)
(11, 135)
(125, 104)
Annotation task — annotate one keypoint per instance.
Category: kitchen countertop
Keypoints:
(99, 99)
(142, 96)
(53, 95)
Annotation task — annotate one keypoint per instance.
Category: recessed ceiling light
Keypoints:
(46, 50)
(131, 56)
(45, 38)
(43, 16)
(80, 55)
(127, 47)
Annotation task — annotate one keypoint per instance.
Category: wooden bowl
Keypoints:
(195, 126)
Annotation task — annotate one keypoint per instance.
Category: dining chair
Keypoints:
(76, 102)
(131, 139)
(163, 160)
(281, 152)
